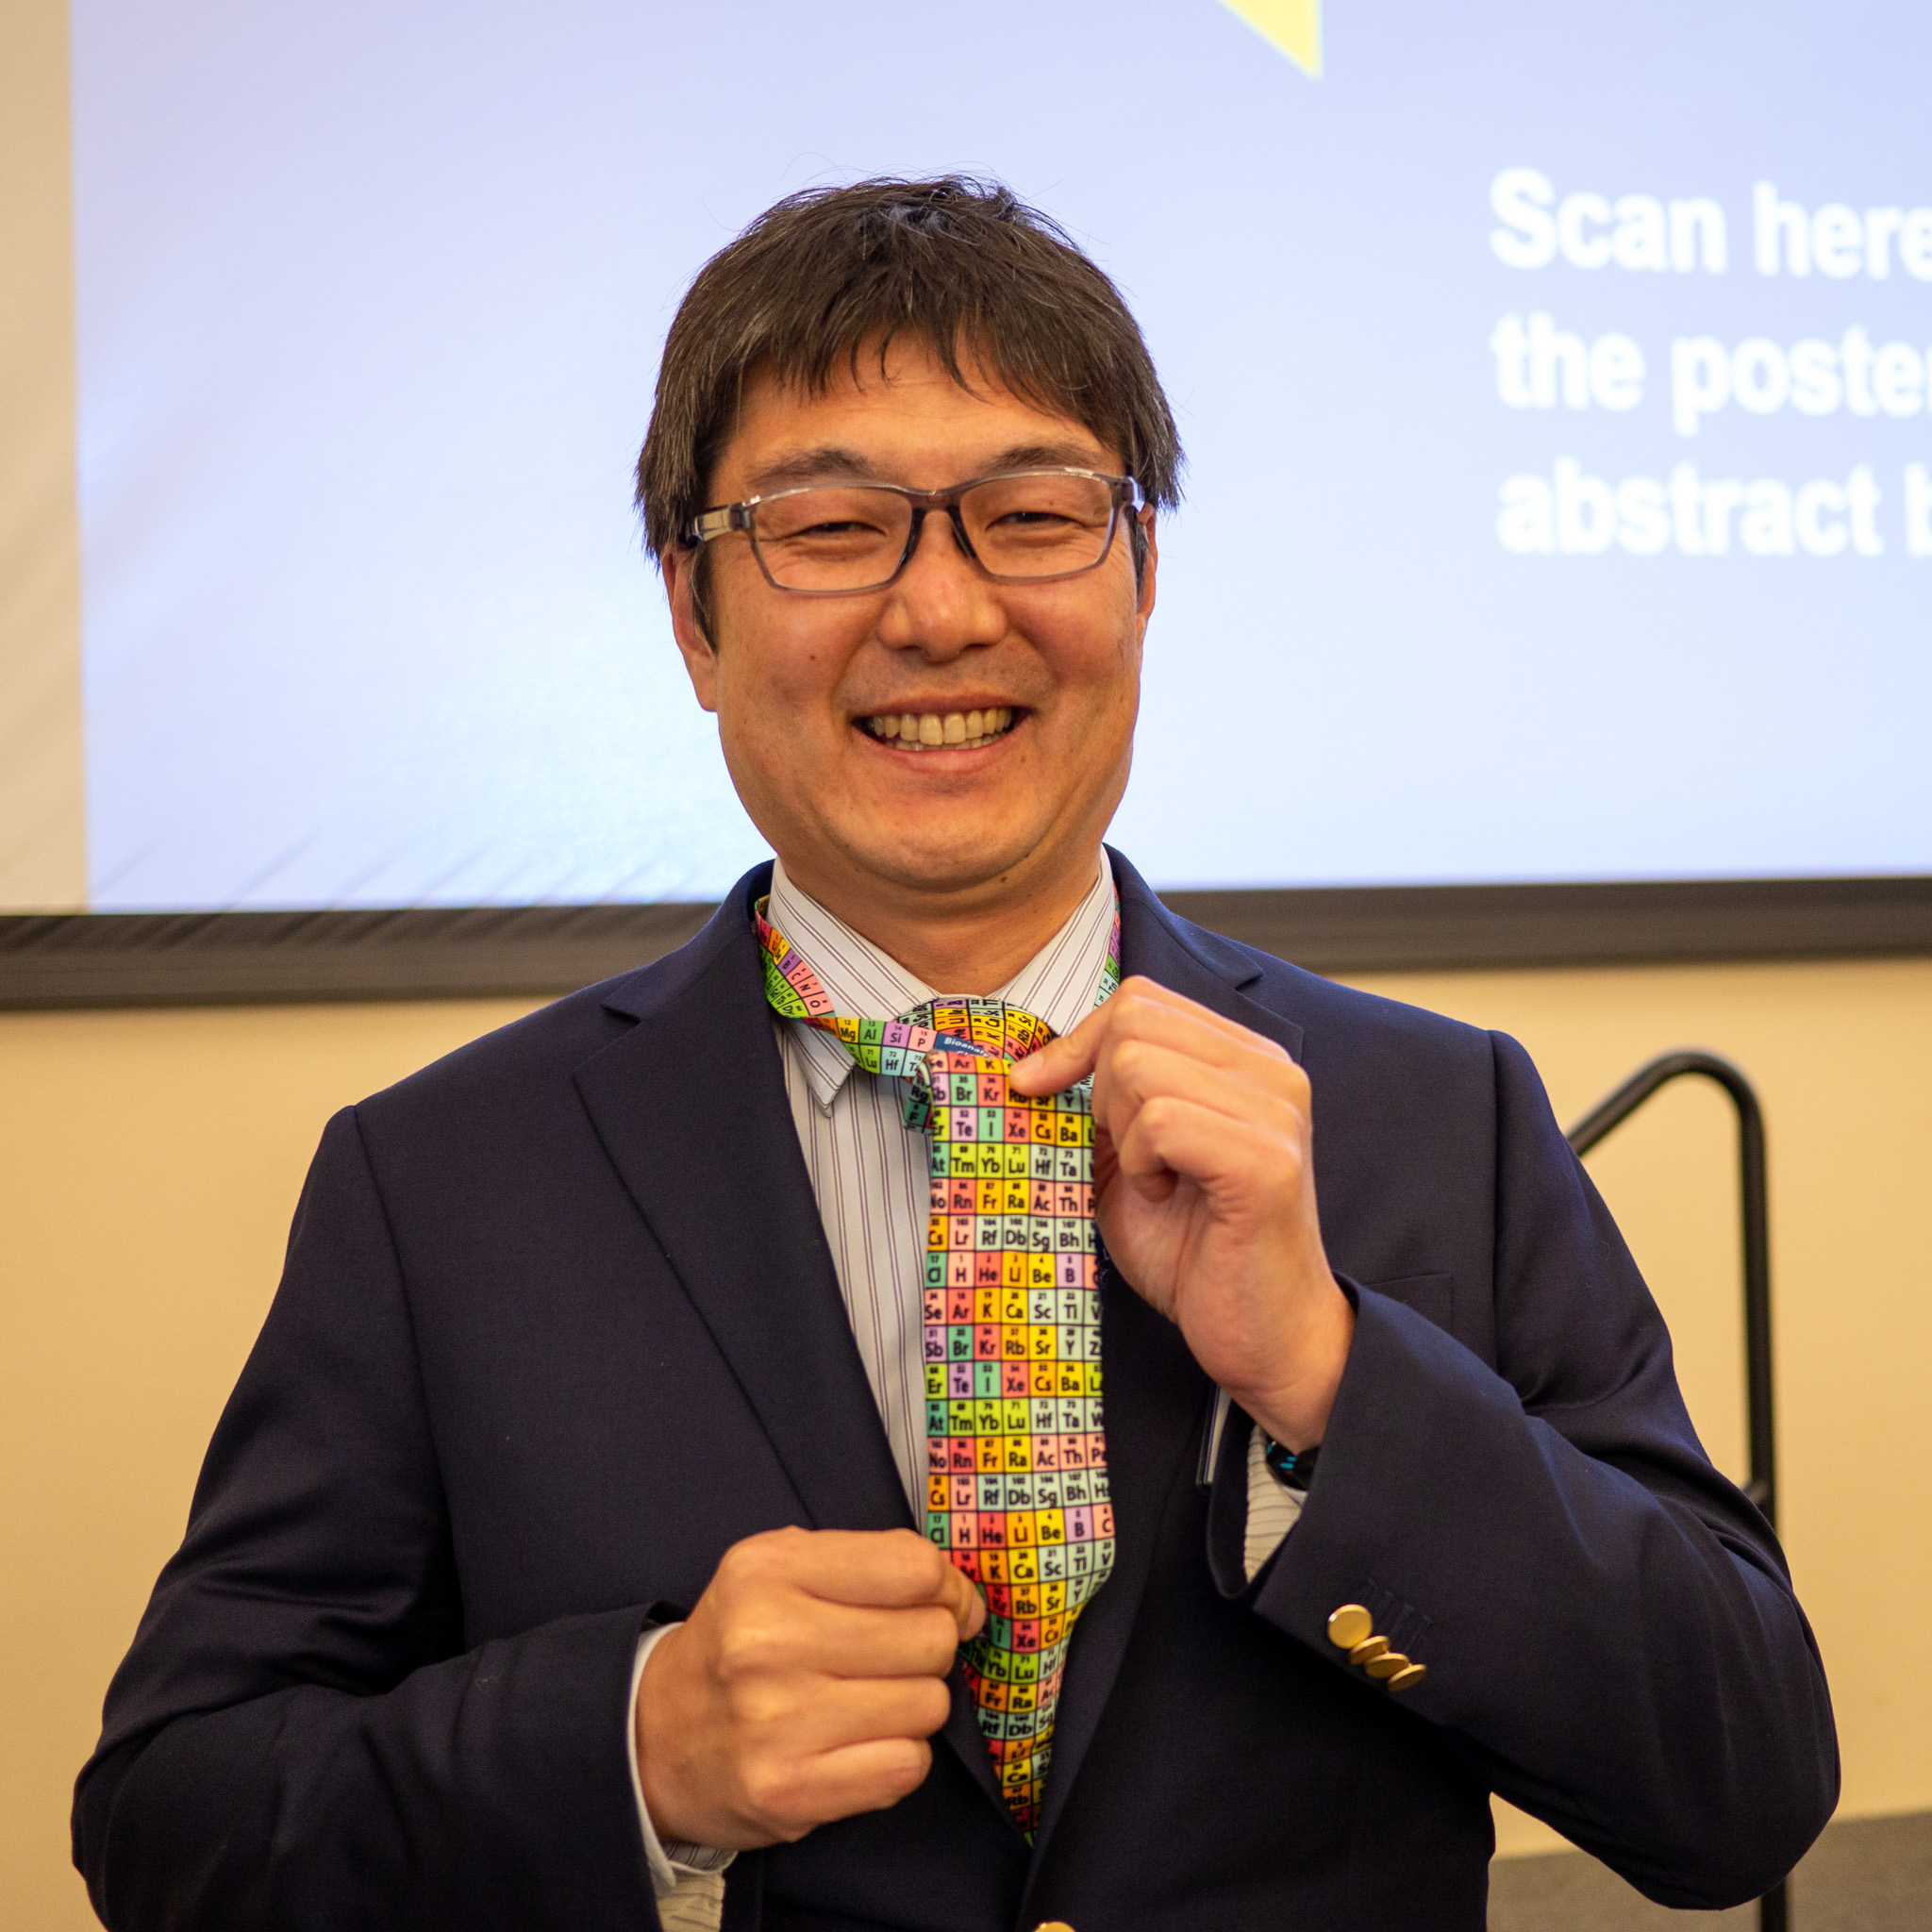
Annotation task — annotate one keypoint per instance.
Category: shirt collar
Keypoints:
(1058, 984)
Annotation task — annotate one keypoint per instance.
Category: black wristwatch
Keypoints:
(1293, 1470)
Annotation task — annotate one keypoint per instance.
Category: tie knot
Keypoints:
(960, 1050)
(994, 1030)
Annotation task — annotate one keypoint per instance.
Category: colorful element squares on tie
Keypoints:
(1016, 1457)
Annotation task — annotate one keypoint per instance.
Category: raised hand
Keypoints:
(804, 1686)
(1204, 1193)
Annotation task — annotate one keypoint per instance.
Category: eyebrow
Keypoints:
(825, 464)
(830, 462)
(1048, 456)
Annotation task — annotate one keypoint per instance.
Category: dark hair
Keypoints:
(964, 265)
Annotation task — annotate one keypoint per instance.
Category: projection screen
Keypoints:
(1557, 384)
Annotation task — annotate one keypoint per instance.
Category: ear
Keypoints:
(1149, 569)
(700, 661)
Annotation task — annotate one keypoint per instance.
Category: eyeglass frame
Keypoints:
(1124, 494)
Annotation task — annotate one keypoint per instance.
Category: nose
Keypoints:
(942, 602)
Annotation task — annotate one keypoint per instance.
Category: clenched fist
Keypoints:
(804, 1687)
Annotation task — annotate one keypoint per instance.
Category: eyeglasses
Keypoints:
(831, 539)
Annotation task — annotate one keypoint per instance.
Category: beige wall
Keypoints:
(149, 1161)
(42, 827)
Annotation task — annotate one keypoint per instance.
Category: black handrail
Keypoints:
(1774, 1908)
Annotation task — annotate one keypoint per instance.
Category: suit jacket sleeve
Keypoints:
(1611, 1638)
(300, 1737)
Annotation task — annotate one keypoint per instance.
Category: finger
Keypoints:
(871, 1776)
(891, 1766)
(832, 1712)
(1151, 1186)
(1056, 1066)
(1143, 1009)
(1155, 1013)
(1137, 1071)
(780, 1636)
(865, 1643)
(1174, 1136)
(973, 1618)
(963, 1598)
(890, 1568)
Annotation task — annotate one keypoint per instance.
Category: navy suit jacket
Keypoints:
(559, 1325)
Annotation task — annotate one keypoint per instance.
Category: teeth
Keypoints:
(963, 730)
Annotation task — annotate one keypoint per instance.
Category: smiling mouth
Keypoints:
(941, 730)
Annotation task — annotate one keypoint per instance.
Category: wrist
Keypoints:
(1294, 1409)
(653, 1735)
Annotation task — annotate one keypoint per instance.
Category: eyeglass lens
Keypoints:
(851, 537)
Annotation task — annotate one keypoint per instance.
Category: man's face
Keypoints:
(798, 681)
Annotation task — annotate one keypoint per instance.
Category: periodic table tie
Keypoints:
(1016, 1458)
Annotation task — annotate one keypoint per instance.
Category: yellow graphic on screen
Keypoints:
(1293, 25)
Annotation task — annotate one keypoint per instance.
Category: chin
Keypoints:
(944, 863)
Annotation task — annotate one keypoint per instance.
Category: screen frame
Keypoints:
(66, 961)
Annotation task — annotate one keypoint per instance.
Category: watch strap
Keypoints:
(1293, 1469)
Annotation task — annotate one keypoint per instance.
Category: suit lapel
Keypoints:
(1156, 1395)
(1200, 965)
(691, 1108)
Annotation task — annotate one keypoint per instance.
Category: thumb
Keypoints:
(1060, 1062)
(961, 1595)
(973, 1621)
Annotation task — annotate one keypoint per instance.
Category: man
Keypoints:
(676, 1448)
